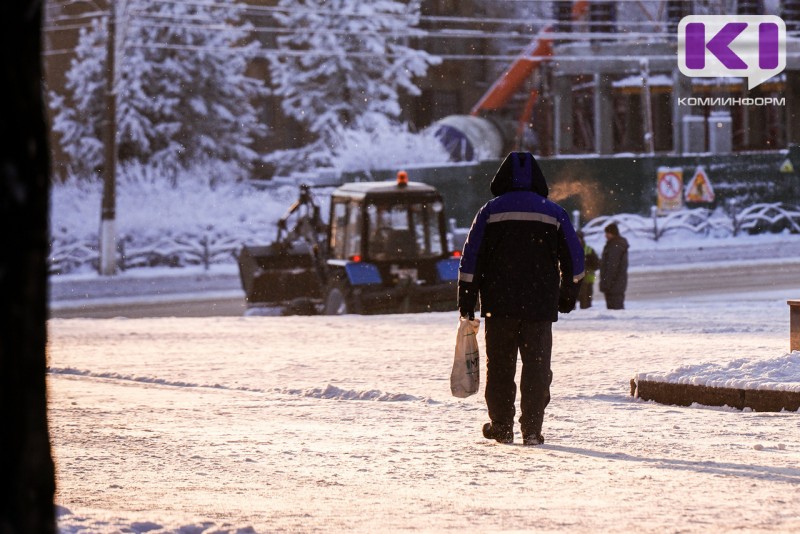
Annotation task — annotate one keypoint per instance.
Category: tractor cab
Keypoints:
(380, 223)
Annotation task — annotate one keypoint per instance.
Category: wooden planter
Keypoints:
(759, 400)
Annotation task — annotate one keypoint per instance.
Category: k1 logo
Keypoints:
(747, 46)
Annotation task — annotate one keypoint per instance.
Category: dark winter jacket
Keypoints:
(522, 254)
(614, 266)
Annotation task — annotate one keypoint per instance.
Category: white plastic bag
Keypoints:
(465, 379)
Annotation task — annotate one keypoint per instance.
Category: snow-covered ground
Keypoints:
(346, 424)
(335, 424)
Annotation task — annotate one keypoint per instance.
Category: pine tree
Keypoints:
(80, 124)
(342, 66)
(183, 93)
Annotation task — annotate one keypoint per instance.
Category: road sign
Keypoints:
(670, 189)
(699, 188)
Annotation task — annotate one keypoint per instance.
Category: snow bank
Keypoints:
(329, 392)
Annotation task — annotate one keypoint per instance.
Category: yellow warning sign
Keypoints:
(787, 166)
(699, 188)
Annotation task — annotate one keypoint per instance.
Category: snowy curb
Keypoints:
(172, 298)
(143, 284)
(759, 400)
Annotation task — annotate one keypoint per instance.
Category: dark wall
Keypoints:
(606, 185)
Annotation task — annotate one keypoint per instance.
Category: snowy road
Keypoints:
(712, 279)
(346, 424)
(662, 281)
(671, 268)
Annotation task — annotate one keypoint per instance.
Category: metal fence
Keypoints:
(755, 219)
(204, 247)
(208, 246)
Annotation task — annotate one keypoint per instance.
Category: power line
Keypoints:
(422, 18)
(91, 14)
(60, 52)
(171, 22)
(541, 23)
(239, 7)
(274, 52)
(442, 34)
(415, 33)
(66, 27)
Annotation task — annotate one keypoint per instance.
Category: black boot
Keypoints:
(499, 433)
(535, 438)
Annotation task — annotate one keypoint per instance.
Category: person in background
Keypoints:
(592, 263)
(614, 268)
(524, 260)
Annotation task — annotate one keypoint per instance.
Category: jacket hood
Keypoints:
(519, 172)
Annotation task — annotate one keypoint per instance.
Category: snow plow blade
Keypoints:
(410, 299)
(279, 274)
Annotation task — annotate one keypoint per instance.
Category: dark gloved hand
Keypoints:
(567, 297)
(566, 303)
(467, 313)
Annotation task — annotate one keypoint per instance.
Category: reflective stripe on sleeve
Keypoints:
(465, 277)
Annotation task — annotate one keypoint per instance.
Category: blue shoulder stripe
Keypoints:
(469, 255)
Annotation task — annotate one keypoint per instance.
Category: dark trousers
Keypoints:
(615, 301)
(586, 294)
(534, 341)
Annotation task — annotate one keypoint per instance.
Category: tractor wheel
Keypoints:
(337, 300)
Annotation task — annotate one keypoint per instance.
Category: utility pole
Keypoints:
(647, 107)
(108, 211)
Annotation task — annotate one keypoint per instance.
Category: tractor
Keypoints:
(384, 250)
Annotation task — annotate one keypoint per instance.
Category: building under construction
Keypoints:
(591, 83)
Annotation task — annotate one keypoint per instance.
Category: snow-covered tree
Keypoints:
(386, 144)
(183, 95)
(341, 64)
(80, 116)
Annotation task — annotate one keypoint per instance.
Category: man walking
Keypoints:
(614, 268)
(524, 260)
